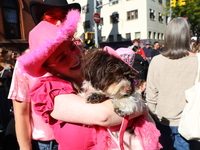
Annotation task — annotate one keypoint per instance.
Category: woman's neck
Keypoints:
(191, 54)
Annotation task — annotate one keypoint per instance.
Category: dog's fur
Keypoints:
(108, 76)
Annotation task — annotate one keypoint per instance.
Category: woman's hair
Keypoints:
(196, 48)
(177, 39)
(138, 82)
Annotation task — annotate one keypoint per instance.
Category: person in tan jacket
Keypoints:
(169, 75)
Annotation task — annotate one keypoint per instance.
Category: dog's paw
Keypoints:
(120, 112)
(95, 98)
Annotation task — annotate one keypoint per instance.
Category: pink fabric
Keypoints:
(147, 133)
(114, 53)
(21, 83)
(127, 54)
(122, 130)
(69, 136)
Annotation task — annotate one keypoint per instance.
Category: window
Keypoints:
(87, 24)
(103, 38)
(101, 23)
(128, 36)
(114, 18)
(119, 37)
(160, 1)
(149, 37)
(162, 36)
(99, 3)
(11, 20)
(111, 38)
(132, 15)
(154, 35)
(152, 14)
(158, 36)
(160, 18)
(85, 9)
(114, 2)
(167, 19)
(137, 35)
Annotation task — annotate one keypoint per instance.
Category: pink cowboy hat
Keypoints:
(44, 39)
(120, 53)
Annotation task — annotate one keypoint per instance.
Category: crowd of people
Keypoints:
(7, 64)
(195, 46)
(42, 85)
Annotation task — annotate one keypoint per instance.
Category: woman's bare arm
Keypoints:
(73, 108)
(22, 124)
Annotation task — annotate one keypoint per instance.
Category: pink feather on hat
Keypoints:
(44, 39)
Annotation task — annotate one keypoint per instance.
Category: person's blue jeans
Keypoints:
(170, 139)
(44, 145)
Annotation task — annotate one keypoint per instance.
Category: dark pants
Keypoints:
(4, 108)
(10, 139)
(170, 139)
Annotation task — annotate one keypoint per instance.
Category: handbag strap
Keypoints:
(198, 73)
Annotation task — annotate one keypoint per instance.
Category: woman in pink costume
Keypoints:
(77, 125)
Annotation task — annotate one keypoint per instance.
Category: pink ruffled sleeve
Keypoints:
(44, 92)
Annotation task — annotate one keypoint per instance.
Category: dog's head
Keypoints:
(108, 73)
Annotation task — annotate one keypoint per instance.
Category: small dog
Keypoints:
(108, 76)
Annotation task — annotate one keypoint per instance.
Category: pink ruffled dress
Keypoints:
(69, 136)
(145, 137)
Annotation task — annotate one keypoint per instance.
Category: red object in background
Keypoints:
(142, 53)
(97, 18)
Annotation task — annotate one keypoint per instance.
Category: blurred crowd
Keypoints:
(7, 64)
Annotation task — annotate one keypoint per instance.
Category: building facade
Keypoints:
(124, 20)
(121, 22)
(15, 24)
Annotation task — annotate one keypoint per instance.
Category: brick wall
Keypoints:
(26, 24)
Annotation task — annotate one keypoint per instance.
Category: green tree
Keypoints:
(192, 11)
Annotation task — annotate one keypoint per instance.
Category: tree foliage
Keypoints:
(192, 11)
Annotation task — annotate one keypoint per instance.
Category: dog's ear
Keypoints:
(93, 66)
